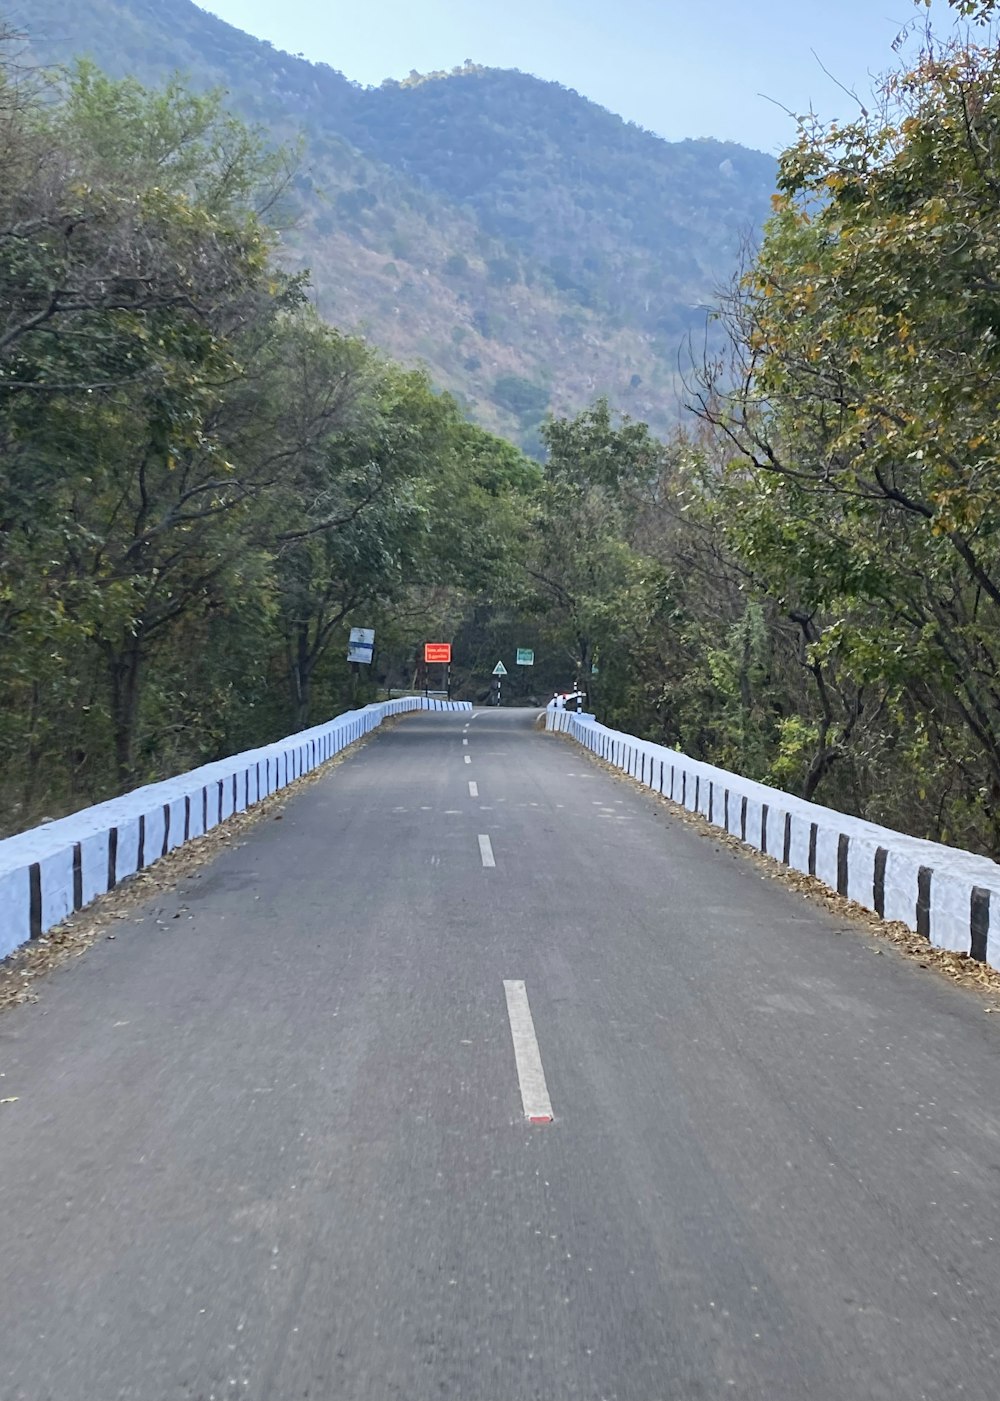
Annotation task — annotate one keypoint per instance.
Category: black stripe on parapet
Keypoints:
(786, 848)
(878, 881)
(246, 788)
(220, 799)
(204, 809)
(141, 858)
(763, 828)
(843, 847)
(187, 816)
(643, 769)
(77, 876)
(112, 858)
(743, 820)
(697, 792)
(711, 799)
(725, 808)
(34, 901)
(924, 901)
(672, 779)
(979, 923)
(166, 829)
(684, 787)
(235, 800)
(661, 775)
(813, 834)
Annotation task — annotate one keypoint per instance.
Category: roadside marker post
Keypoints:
(499, 671)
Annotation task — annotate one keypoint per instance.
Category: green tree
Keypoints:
(863, 422)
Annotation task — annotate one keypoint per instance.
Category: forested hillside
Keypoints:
(202, 484)
(528, 247)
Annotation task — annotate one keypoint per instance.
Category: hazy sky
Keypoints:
(679, 67)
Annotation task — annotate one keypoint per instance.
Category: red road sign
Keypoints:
(437, 652)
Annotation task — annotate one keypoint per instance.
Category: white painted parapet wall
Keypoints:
(951, 897)
(50, 871)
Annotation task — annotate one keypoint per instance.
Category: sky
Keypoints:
(722, 68)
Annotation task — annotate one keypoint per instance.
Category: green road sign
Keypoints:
(499, 669)
(525, 656)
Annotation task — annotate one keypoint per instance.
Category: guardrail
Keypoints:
(951, 897)
(50, 871)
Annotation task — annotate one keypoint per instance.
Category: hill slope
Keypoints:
(532, 249)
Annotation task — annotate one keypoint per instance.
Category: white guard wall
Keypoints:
(50, 871)
(951, 897)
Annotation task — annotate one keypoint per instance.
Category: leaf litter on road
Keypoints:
(959, 968)
(75, 935)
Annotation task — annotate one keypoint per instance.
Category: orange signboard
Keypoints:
(437, 652)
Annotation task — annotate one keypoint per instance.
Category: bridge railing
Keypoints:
(53, 870)
(951, 897)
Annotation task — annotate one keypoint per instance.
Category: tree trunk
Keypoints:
(125, 668)
(301, 676)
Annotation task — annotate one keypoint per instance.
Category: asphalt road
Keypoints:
(276, 1148)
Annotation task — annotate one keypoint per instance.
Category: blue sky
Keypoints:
(679, 67)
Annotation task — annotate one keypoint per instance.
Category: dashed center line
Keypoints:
(527, 1057)
(473, 789)
(465, 741)
(468, 758)
(486, 851)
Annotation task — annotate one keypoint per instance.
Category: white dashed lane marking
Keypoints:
(527, 1057)
(486, 851)
(473, 789)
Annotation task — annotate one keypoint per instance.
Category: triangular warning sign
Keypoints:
(499, 669)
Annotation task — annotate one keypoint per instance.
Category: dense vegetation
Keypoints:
(202, 484)
(497, 229)
(805, 586)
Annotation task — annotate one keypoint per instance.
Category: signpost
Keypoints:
(361, 646)
(360, 650)
(438, 654)
(499, 671)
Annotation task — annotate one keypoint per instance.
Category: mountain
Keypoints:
(529, 247)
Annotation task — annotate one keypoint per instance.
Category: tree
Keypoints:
(584, 576)
(863, 417)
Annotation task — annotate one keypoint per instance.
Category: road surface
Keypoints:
(277, 1148)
